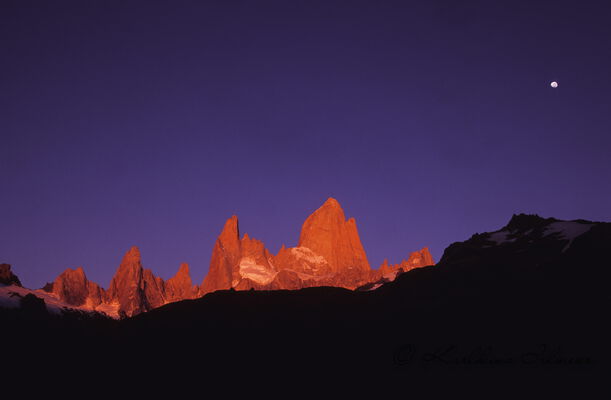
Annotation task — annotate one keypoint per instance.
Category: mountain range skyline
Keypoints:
(484, 307)
(168, 272)
(329, 253)
(334, 259)
(226, 196)
(150, 124)
(112, 270)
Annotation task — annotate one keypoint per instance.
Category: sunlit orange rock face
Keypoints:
(225, 258)
(72, 287)
(417, 259)
(329, 253)
(127, 285)
(327, 234)
(180, 286)
(238, 263)
(7, 277)
(133, 288)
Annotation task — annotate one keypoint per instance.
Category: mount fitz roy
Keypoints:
(528, 298)
(329, 253)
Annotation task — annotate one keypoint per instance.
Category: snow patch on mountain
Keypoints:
(374, 287)
(309, 277)
(255, 272)
(500, 237)
(10, 297)
(568, 230)
(305, 254)
(110, 309)
(392, 275)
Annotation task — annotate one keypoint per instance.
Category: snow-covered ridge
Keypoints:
(391, 276)
(304, 253)
(309, 277)
(568, 230)
(500, 237)
(10, 297)
(255, 272)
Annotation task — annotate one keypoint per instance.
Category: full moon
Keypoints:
(554, 84)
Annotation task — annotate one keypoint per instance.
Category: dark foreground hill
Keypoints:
(531, 299)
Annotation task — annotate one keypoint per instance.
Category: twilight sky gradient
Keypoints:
(149, 123)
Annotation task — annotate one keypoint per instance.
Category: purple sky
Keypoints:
(149, 123)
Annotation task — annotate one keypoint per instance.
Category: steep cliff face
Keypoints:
(124, 287)
(238, 263)
(154, 289)
(131, 288)
(326, 233)
(180, 286)
(225, 258)
(7, 277)
(329, 253)
(387, 272)
(255, 269)
(304, 263)
(73, 287)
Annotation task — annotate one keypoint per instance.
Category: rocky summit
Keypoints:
(329, 253)
(133, 288)
(72, 287)
(136, 289)
(529, 298)
(7, 277)
(180, 286)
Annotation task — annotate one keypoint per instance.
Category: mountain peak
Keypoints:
(180, 286)
(225, 256)
(73, 272)
(523, 222)
(331, 206)
(231, 230)
(73, 288)
(421, 258)
(132, 255)
(77, 272)
(7, 277)
(329, 210)
(327, 233)
(183, 270)
(332, 202)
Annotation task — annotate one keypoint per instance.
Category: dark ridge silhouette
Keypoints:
(7, 277)
(522, 222)
(526, 306)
